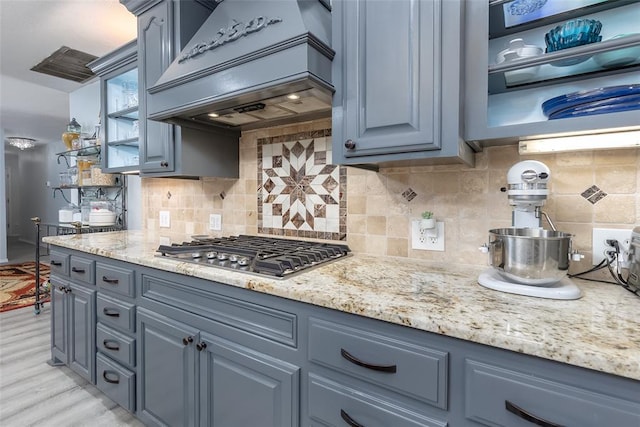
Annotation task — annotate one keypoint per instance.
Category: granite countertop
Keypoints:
(599, 331)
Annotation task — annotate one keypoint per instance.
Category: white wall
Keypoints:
(3, 205)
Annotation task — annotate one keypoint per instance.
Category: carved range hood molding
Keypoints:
(245, 61)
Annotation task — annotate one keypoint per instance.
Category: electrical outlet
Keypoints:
(215, 222)
(600, 237)
(429, 240)
(165, 219)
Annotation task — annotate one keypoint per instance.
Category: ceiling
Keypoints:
(36, 105)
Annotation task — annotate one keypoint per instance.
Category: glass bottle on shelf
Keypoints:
(71, 137)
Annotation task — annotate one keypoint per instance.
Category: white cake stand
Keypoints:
(564, 289)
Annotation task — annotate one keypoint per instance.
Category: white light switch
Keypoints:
(215, 222)
(165, 219)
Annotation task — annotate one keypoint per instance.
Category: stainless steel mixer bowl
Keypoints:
(530, 256)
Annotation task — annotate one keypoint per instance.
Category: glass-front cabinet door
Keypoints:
(119, 96)
(536, 67)
(121, 121)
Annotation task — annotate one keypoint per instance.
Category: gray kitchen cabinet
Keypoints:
(208, 354)
(503, 101)
(397, 73)
(73, 326)
(119, 108)
(231, 373)
(170, 150)
(166, 370)
(115, 333)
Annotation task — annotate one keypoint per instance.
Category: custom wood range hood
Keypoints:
(252, 63)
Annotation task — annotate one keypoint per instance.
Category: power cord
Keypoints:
(611, 256)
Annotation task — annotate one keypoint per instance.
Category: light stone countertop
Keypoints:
(600, 331)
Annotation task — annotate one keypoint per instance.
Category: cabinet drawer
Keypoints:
(256, 319)
(403, 367)
(117, 382)
(331, 403)
(556, 403)
(59, 263)
(114, 312)
(116, 345)
(115, 279)
(82, 270)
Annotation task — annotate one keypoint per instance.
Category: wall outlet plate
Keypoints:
(215, 222)
(165, 219)
(601, 235)
(426, 241)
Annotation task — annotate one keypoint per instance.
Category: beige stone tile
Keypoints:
(572, 180)
(377, 205)
(572, 208)
(619, 179)
(446, 182)
(471, 206)
(616, 209)
(474, 182)
(398, 226)
(376, 245)
(580, 158)
(356, 224)
(377, 225)
(397, 247)
(617, 157)
(356, 184)
(502, 157)
(356, 204)
(357, 242)
(481, 160)
(376, 184)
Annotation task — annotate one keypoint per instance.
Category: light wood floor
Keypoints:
(32, 393)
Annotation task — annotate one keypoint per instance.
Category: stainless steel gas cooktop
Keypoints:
(266, 256)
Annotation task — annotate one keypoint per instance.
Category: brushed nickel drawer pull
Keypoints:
(514, 409)
(382, 368)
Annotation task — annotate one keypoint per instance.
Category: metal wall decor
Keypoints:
(229, 34)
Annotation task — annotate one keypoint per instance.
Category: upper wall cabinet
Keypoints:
(119, 108)
(511, 73)
(167, 150)
(397, 74)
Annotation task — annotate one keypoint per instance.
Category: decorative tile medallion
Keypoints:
(300, 194)
(593, 194)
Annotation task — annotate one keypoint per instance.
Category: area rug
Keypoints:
(17, 285)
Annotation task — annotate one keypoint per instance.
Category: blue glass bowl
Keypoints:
(576, 32)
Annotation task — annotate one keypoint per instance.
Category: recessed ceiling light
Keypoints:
(213, 115)
(293, 96)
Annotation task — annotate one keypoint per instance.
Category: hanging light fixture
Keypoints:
(21, 142)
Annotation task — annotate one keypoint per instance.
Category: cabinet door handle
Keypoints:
(201, 346)
(77, 270)
(56, 263)
(106, 374)
(349, 420)
(187, 340)
(107, 280)
(514, 409)
(111, 312)
(349, 144)
(382, 368)
(111, 345)
(164, 164)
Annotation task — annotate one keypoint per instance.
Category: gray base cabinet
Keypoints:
(208, 354)
(397, 76)
(72, 321)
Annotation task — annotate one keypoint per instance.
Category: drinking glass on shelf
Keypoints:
(130, 93)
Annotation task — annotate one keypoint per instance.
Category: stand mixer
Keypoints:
(525, 258)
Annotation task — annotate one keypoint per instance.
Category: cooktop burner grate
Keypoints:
(266, 256)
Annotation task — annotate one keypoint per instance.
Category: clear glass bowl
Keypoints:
(576, 32)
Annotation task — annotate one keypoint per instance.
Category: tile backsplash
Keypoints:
(373, 211)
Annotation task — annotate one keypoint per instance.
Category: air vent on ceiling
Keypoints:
(68, 64)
